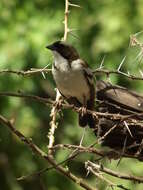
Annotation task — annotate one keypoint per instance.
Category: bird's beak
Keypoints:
(51, 47)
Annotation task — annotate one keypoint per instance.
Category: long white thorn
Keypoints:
(123, 60)
(102, 62)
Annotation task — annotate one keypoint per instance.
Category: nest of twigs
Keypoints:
(123, 129)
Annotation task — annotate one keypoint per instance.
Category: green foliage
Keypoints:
(26, 27)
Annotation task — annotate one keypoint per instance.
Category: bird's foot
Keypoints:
(58, 104)
(83, 110)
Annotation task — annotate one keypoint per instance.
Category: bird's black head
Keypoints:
(65, 50)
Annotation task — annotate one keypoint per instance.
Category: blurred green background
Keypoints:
(102, 28)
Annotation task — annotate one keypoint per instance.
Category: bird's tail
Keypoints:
(86, 119)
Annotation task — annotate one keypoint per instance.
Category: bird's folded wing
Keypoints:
(119, 96)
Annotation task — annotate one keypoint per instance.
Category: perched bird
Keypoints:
(74, 80)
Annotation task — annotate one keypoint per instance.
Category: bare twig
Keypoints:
(25, 73)
(30, 97)
(101, 177)
(49, 168)
(79, 148)
(101, 168)
(90, 149)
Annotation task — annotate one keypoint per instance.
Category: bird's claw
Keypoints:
(83, 110)
(58, 104)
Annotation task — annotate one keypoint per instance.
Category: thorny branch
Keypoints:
(133, 42)
(96, 114)
(66, 29)
(95, 168)
(45, 101)
(116, 72)
(55, 107)
(78, 149)
(101, 168)
(96, 71)
(30, 72)
(101, 177)
(81, 149)
(90, 149)
(54, 110)
(53, 123)
(35, 149)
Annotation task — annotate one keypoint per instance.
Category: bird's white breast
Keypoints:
(70, 80)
